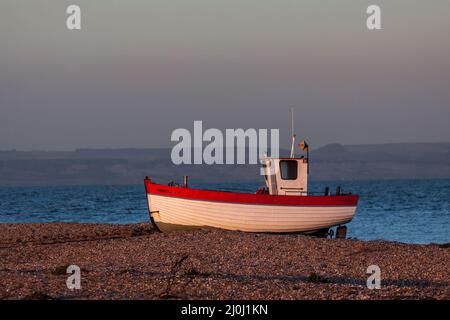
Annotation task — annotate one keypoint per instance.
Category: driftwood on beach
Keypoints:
(136, 262)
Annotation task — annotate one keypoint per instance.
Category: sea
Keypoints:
(410, 211)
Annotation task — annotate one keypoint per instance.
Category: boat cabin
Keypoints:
(286, 176)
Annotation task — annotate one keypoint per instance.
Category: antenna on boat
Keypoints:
(292, 132)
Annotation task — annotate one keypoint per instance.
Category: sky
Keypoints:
(137, 70)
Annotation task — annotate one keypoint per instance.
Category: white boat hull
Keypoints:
(171, 213)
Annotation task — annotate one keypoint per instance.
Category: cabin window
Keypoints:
(288, 169)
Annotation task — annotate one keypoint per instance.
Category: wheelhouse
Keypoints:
(286, 176)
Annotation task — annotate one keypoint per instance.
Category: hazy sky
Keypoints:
(140, 69)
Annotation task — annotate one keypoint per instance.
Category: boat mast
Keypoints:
(292, 132)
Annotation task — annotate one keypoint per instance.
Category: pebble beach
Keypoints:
(137, 262)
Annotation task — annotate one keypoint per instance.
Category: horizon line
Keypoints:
(148, 148)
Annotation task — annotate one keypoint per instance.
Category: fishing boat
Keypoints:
(283, 205)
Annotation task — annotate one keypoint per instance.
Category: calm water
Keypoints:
(409, 211)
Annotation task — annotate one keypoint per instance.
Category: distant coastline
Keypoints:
(130, 165)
